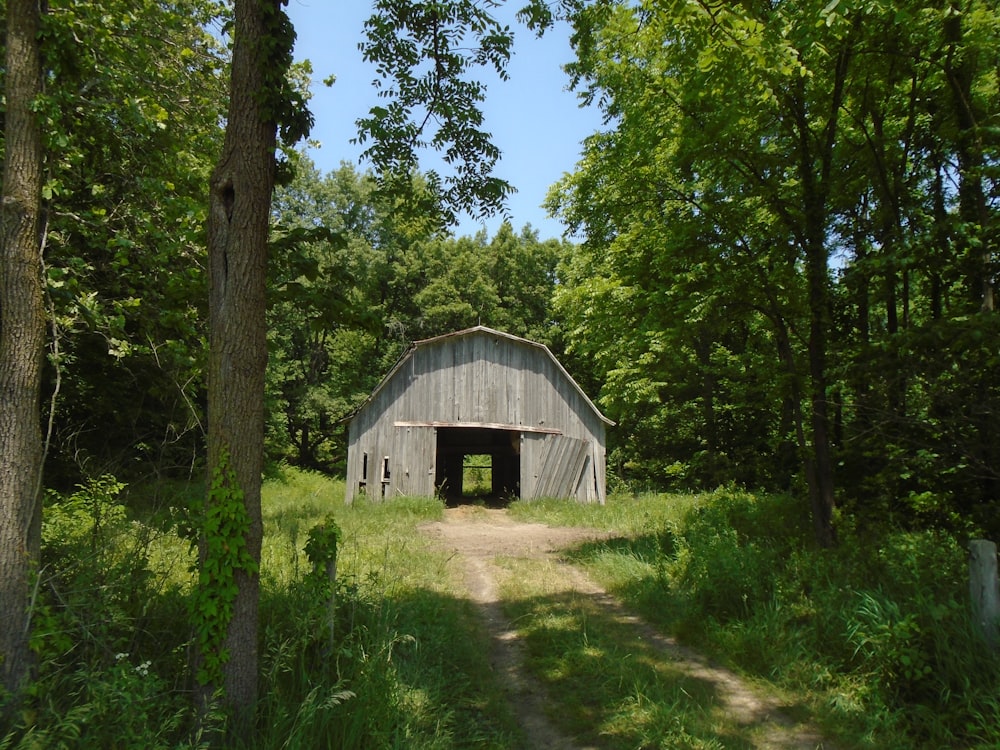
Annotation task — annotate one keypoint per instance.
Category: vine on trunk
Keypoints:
(224, 551)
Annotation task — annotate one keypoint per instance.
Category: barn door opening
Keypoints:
(478, 465)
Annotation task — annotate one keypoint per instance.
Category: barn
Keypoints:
(480, 393)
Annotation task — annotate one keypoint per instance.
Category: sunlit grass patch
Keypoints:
(172, 560)
(605, 683)
(623, 513)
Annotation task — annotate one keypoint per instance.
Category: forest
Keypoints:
(779, 273)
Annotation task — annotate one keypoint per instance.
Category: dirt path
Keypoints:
(478, 536)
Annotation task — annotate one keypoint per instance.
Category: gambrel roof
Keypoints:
(414, 346)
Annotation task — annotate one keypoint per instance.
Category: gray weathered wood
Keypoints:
(984, 588)
(481, 425)
(478, 379)
(562, 464)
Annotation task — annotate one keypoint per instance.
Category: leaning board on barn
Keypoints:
(478, 391)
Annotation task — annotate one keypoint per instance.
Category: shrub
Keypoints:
(108, 634)
(722, 559)
(722, 576)
(880, 624)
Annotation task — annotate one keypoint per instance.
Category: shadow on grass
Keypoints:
(447, 665)
(615, 681)
(646, 588)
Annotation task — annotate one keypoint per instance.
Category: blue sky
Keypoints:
(535, 122)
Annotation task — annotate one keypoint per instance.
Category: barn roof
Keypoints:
(490, 332)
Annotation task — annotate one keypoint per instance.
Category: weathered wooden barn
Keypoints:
(481, 393)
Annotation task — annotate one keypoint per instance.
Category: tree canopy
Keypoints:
(792, 207)
(786, 278)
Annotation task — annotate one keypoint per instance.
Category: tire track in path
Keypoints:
(478, 536)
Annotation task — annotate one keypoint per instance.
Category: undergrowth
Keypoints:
(401, 664)
(875, 634)
(873, 639)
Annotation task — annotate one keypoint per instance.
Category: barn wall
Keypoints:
(413, 452)
(408, 452)
(474, 378)
(561, 466)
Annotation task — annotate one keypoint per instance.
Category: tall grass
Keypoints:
(406, 666)
(409, 668)
(875, 636)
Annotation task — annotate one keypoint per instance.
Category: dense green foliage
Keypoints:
(406, 665)
(132, 106)
(789, 264)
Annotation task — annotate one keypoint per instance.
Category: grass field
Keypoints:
(872, 639)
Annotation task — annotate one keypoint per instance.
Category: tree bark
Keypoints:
(22, 343)
(240, 202)
(960, 65)
(815, 164)
(941, 245)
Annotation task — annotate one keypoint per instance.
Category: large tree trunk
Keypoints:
(22, 343)
(240, 203)
(819, 466)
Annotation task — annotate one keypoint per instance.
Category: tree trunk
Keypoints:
(703, 350)
(240, 202)
(960, 66)
(792, 406)
(821, 489)
(941, 241)
(818, 464)
(22, 343)
(815, 166)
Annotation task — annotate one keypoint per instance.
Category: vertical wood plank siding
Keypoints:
(485, 377)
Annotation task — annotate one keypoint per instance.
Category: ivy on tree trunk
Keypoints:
(240, 201)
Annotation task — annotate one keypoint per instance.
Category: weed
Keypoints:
(406, 666)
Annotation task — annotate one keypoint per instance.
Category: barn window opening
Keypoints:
(385, 475)
(364, 473)
(477, 475)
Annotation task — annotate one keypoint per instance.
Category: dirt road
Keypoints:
(478, 536)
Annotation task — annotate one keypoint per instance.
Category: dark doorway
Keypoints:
(460, 481)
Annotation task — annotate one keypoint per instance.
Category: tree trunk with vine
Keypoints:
(240, 202)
